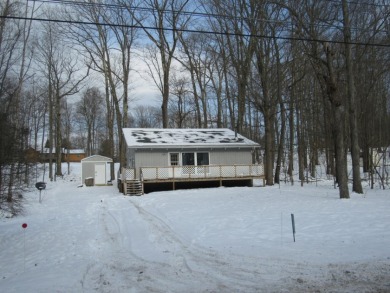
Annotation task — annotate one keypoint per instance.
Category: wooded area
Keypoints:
(308, 80)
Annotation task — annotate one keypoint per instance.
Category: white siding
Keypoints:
(151, 159)
(156, 159)
(88, 170)
(231, 157)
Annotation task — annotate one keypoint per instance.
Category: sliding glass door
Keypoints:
(189, 163)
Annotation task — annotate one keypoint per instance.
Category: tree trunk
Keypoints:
(291, 143)
(58, 135)
(269, 147)
(337, 126)
(51, 128)
(282, 115)
(165, 95)
(355, 149)
(281, 143)
(110, 127)
(301, 147)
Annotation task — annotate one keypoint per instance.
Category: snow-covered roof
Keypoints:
(96, 158)
(157, 138)
(64, 151)
(74, 151)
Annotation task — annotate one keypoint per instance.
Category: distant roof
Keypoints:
(74, 151)
(152, 137)
(64, 151)
(96, 158)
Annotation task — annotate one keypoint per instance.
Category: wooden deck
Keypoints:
(173, 174)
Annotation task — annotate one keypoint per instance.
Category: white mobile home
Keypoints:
(178, 157)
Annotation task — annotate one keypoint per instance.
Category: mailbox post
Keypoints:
(40, 186)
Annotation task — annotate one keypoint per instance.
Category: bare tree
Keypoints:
(197, 59)
(14, 67)
(90, 110)
(181, 109)
(215, 73)
(110, 50)
(240, 24)
(60, 68)
(323, 59)
(67, 113)
(168, 19)
(355, 149)
(147, 116)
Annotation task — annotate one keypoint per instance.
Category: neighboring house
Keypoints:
(45, 155)
(31, 155)
(186, 158)
(73, 155)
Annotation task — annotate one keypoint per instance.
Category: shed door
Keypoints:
(100, 174)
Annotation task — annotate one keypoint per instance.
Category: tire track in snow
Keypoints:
(119, 267)
(194, 259)
(193, 268)
(237, 273)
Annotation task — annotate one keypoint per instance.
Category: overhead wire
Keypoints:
(148, 9)
(194, 31)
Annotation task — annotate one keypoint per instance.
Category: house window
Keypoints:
(202, 159)
(174, 159)
(188, 159)
(195, 159)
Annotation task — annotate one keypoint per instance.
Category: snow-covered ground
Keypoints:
(93, 239)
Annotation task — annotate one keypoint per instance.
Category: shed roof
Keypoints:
(158, 138)
(97, 158)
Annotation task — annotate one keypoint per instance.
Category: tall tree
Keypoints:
(239, 25)
(60, 68)
(323, 58)
(110, 49)
(90, 110)
(168, 19)
(196, 61)
(14, 66)
(355, 149)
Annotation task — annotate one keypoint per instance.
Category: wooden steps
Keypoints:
(132, 187)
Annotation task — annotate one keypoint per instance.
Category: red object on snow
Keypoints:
(24, 225)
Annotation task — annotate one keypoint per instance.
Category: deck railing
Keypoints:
(127, 174)
(196, 172)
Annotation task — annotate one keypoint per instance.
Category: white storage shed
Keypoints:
(95, 167)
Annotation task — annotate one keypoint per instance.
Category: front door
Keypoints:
(100, 174)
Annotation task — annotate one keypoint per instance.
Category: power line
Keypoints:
(360, 3)
(194, 31)
(197, 13)
(140, 7)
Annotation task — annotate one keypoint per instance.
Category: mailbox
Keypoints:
(40, 185)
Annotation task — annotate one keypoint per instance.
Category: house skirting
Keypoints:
(176, 185)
